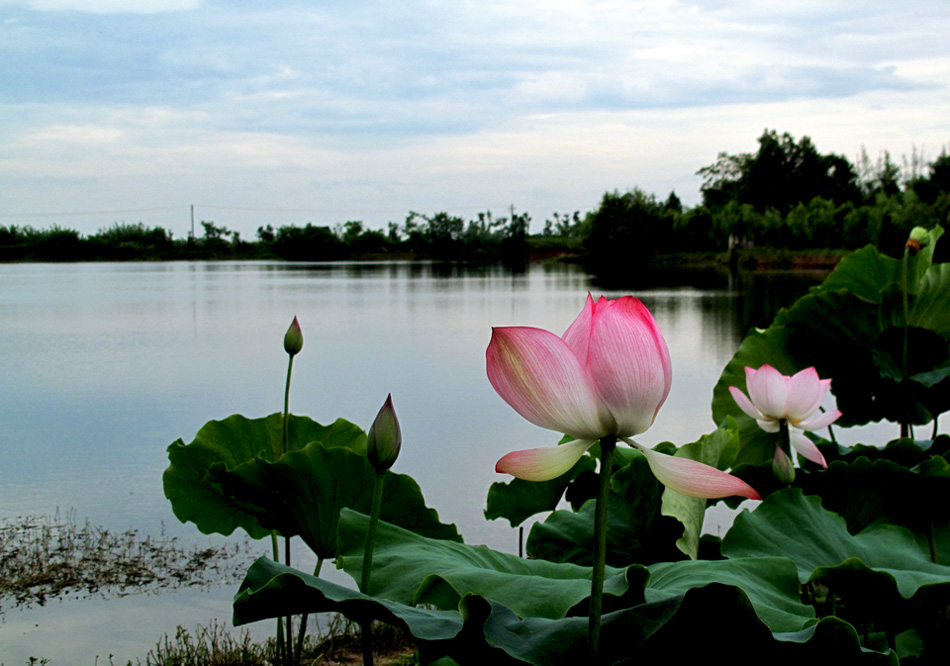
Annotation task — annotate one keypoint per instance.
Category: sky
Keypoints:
(284, 112)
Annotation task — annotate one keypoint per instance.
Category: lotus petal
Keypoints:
(768, 391)
(629, 363)
(806, 447)
(536, 373)
(693, 478)
(543, 464)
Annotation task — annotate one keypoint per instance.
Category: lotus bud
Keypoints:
(782, 466)
(293, 338)
(919, 238)
(384, 438)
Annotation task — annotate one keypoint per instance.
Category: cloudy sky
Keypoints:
(284, 112)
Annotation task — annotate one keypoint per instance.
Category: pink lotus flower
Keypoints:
(606, 376)
(773, 397)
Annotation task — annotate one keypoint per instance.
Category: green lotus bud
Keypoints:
(782, 466)
(293, 338)
(919, 238)
(384, 438)
(920, 235)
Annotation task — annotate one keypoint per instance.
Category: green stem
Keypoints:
(285, 653)
(302, 632)
(280, 621)
(906, 321)
(366, 578)
(283, 442)
(290, 623)
(607, 446)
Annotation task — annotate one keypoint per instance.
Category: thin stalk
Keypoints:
(831, 432)
(302, 632)
(933, 435)
(366, 578)
(904, 263)
(289, 649)
(607, 446)
(280, 624)
(283, 443)
(289, 619)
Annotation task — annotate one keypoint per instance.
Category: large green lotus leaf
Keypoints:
(845, 338)
(771, 583)
(717, 449)
(852, 329)
(236, 440)
(864, 273)
(689, 628)
(304, 492)
(271, 589)
(864, 490)
(757, 349)
(930, 309)
(875, 568)
(636, 530)
(518, 500)
(858, 338)
(679, 629)
(413, 569)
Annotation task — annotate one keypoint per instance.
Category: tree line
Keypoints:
(787, 195)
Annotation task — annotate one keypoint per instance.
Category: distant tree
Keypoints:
(780, 175)
(395, 235)
(673, 203)
(441, 234)
(352, 231)
(882, 176)
(310, 243)
(266, 234)
(626, 231)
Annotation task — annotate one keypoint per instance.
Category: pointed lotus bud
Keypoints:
(782, 466)
(384, 438)
(293, 338)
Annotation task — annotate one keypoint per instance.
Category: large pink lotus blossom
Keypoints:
(606, 376)
(773, 397)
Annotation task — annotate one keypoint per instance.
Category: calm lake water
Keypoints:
(104, 365)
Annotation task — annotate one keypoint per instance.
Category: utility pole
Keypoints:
(192, 222)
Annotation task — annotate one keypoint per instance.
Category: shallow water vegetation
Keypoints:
(336, 643)
(45, 557)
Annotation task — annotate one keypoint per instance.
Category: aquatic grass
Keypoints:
(46, 557)
(338, 642)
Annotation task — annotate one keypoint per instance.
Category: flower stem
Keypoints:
(904, 424)
(607, 446)
(303, 620)
(280, 621)
(366, 578)
(286, 423)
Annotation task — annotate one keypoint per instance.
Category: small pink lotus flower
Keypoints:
(773, 397)
(607, 375)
